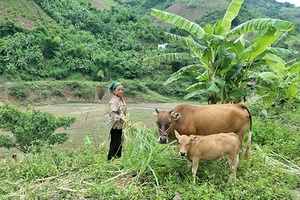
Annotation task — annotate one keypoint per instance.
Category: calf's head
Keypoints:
(164, 120)
(184, 142)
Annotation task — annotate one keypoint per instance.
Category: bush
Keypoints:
(31, 129)
(58, 92)
(175, 90)
(18, 91)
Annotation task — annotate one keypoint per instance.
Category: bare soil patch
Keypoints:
(100, 5)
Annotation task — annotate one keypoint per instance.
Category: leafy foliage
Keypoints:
(32, 129)
(278, 83)
(9, 28)
(21, 52)
(85, 41)
(222, 57)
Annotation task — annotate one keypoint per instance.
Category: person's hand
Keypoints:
(123, 119)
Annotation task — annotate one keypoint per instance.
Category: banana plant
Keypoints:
(279, 85)
(222, 56)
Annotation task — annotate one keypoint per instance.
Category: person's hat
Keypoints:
(113, 86)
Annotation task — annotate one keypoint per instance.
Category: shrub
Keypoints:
(44, 94)
(31, 129)
(175, 90)
(58, 92)
(18, 91)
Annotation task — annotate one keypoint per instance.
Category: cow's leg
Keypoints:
(241, 134)
(233, 161)
(194, 169)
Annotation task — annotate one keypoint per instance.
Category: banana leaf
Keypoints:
(180, 73)
(231, 13)
(187, 42)
(180, 22)
(257, 47)
(259, 24)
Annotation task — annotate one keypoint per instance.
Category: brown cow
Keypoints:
(210, 147)
(205, 120)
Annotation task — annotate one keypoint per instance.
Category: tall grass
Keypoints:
(141, 154)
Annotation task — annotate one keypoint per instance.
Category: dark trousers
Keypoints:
(115, 147)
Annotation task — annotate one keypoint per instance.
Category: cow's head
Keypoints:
(184, 142)
(164, 120)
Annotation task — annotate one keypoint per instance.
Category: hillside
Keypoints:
(27, 13)
(104, 40)
(24, 13)
(251, 9)
(191, 13)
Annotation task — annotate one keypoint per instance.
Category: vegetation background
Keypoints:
(54, 52)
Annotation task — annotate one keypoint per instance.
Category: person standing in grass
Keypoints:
(117, 117)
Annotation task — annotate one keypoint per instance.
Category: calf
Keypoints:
(210, 147)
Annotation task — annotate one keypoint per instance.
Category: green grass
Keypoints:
(25, 13)
(41, 92)
(148, 170)
(25, 8)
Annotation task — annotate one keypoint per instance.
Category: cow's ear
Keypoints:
(176, 116)
(156, 112)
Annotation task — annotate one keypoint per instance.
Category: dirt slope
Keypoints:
(192, 13)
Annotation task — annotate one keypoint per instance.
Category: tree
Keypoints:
(31, 129)
(223, 57)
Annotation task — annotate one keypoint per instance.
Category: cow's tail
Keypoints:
(248, 146)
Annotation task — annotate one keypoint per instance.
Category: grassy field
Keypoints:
(147, 170)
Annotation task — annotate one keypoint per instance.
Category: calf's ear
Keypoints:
(175, 116)
(194, 138)
(176, 134)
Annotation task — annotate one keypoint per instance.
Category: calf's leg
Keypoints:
(194, 169)
(233, 161)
